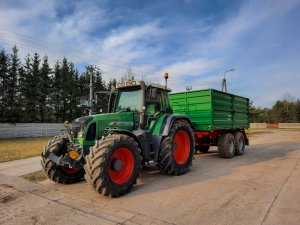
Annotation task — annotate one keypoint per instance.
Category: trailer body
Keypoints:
(212, 113)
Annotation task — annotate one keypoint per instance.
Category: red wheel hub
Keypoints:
(69, 170)
(182, 147)
(121, 165)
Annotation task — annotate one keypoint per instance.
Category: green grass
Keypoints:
(21, 148)
(35, 176)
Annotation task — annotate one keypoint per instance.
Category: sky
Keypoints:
(195, 41)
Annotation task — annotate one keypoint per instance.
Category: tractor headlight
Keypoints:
(80, 134)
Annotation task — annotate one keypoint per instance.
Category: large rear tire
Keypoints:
(112, 167)
(226, 146)
(177, 149)
(60, 174)
(239, 143)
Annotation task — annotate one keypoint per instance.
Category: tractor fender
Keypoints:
(141, 137)
(129, 133)
(170, 120)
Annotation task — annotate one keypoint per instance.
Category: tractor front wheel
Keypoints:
(112, 167)
(177, 149)
(60, 174)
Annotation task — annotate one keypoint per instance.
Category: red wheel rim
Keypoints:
(182, 147)
(69, 170)
(125, 157)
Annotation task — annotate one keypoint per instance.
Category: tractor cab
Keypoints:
(146, 101)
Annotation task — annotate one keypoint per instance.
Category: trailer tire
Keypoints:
(60, 174)
(112, 167)
(202, 148)
(239, 143)
(177, 149)
(226, 146)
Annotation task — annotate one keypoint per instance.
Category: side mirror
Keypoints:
(153, 93)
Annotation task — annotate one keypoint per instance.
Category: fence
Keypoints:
(279, 125)
(258, 125)
(8, 130)
(289, 125)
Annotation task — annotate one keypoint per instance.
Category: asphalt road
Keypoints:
(260, 187)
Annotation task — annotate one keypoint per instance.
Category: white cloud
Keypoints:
(193, 67)
(251, 15)
(130, 35)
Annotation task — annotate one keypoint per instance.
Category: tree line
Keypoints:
(286, 110)
(34, 91)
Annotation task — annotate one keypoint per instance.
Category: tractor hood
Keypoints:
(91, 128)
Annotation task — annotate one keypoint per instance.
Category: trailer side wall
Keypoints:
(211, 109)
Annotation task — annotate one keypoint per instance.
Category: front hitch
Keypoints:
(73, 158)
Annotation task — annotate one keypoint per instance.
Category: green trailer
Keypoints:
(218, 119)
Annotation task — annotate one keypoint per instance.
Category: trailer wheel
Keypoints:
(239, 143)
(177, 149)
(60, 174)
(202, 148)
(226, 146)
(112, 167)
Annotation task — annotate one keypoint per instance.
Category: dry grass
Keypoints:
(35, 176)
(252, 131)
(21, 148)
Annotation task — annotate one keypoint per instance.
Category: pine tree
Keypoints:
(45, 90)
(102, 99)
(35, 88)
(3, 83)
(66, 89)
(25, 87)
(11, 102)
(56, 92)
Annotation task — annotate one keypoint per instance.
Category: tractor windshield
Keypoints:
(129, 101)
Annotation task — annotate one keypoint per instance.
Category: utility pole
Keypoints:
(91, 71)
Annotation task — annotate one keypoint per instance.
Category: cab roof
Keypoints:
(133, 83)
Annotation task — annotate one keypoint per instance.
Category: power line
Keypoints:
(79, 55)
(34, 42)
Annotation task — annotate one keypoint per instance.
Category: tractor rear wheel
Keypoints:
(177, 149)
(60, 174)
(112, 167)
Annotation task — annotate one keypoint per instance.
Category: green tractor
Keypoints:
(109, 149)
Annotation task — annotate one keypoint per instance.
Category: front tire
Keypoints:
(112, 167)
(177, 149)
(60, 174)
